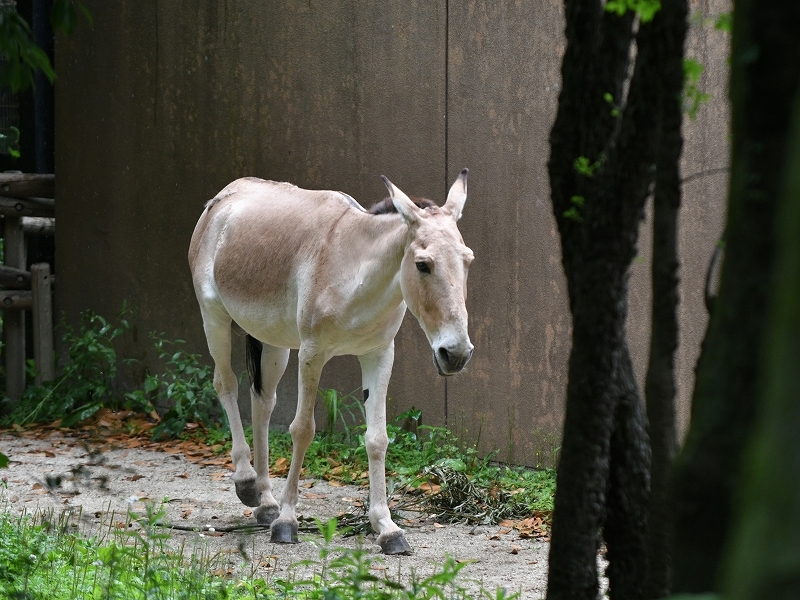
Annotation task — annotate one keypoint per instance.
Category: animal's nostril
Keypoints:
(444, 355)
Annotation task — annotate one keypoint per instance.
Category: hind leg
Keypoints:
(273, 364)
(218, 335)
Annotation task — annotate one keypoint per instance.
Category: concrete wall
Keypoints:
(159, 105)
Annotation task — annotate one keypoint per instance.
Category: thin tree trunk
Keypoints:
(583, 469)
(660, 378)
(660, 390)
(625, 527)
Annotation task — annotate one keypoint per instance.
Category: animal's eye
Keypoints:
(423, 267)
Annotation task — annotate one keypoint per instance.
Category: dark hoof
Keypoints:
(284, 533)
(247, 492)
(394, 543)
(265, 515)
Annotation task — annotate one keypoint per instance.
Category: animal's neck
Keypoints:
(384, 240)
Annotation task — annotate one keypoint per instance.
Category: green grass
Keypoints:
(44, 558)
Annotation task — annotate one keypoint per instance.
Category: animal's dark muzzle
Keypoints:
(449, 362)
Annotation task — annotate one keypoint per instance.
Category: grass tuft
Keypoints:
(43, 557)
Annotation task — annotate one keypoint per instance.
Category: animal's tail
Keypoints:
(253, 358)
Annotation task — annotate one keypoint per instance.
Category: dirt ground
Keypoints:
(99, 483)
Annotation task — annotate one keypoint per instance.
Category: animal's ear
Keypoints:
(457, 195)
(407, 209)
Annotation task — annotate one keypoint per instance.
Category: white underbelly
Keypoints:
(273, 325)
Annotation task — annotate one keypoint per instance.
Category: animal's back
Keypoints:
(255, 241)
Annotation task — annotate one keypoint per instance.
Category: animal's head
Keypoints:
(433, 274)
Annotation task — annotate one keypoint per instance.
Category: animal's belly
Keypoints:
(276, 324)
(273, 325)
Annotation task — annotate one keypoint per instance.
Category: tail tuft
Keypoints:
(253, 359)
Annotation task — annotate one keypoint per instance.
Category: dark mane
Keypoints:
(386, 206)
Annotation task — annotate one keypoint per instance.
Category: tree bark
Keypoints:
(764, 559)
(660, 378)
(764, 82)
(603, 473)
(625, 527)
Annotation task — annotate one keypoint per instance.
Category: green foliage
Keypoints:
(41, 559)
(23, 57)
(573, 212)
(587, 168)
(343, 574)
(3, 461)
(64, 17)
(645, 9)
(693, 97)
(342, 410)
(724, 22)
(186, 386)
(609, 98)
(86, 383)
(11, 142)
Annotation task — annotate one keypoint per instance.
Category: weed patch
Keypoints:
(44, 557)
(85, 384)
(186, 386)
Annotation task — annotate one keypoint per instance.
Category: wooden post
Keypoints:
(42, 322)
(14, 320)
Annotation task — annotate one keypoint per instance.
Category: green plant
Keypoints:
(472, 487)
(343, 574)
(11, 142)
(693, 97)
(22, 56)
(615, 109)
(40, 558)
(45, 557)
(573, 212)
(186, 386)
(342, 409)
(85, 384)
(645, 9)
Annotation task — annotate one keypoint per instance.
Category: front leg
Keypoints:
(310, 363)
(376, 369)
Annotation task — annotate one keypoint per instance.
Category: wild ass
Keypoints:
(313, 270)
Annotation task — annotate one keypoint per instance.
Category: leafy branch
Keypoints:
(645, 9)
(23, 58)
(693, 96)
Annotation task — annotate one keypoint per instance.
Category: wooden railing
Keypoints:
(28, 208)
